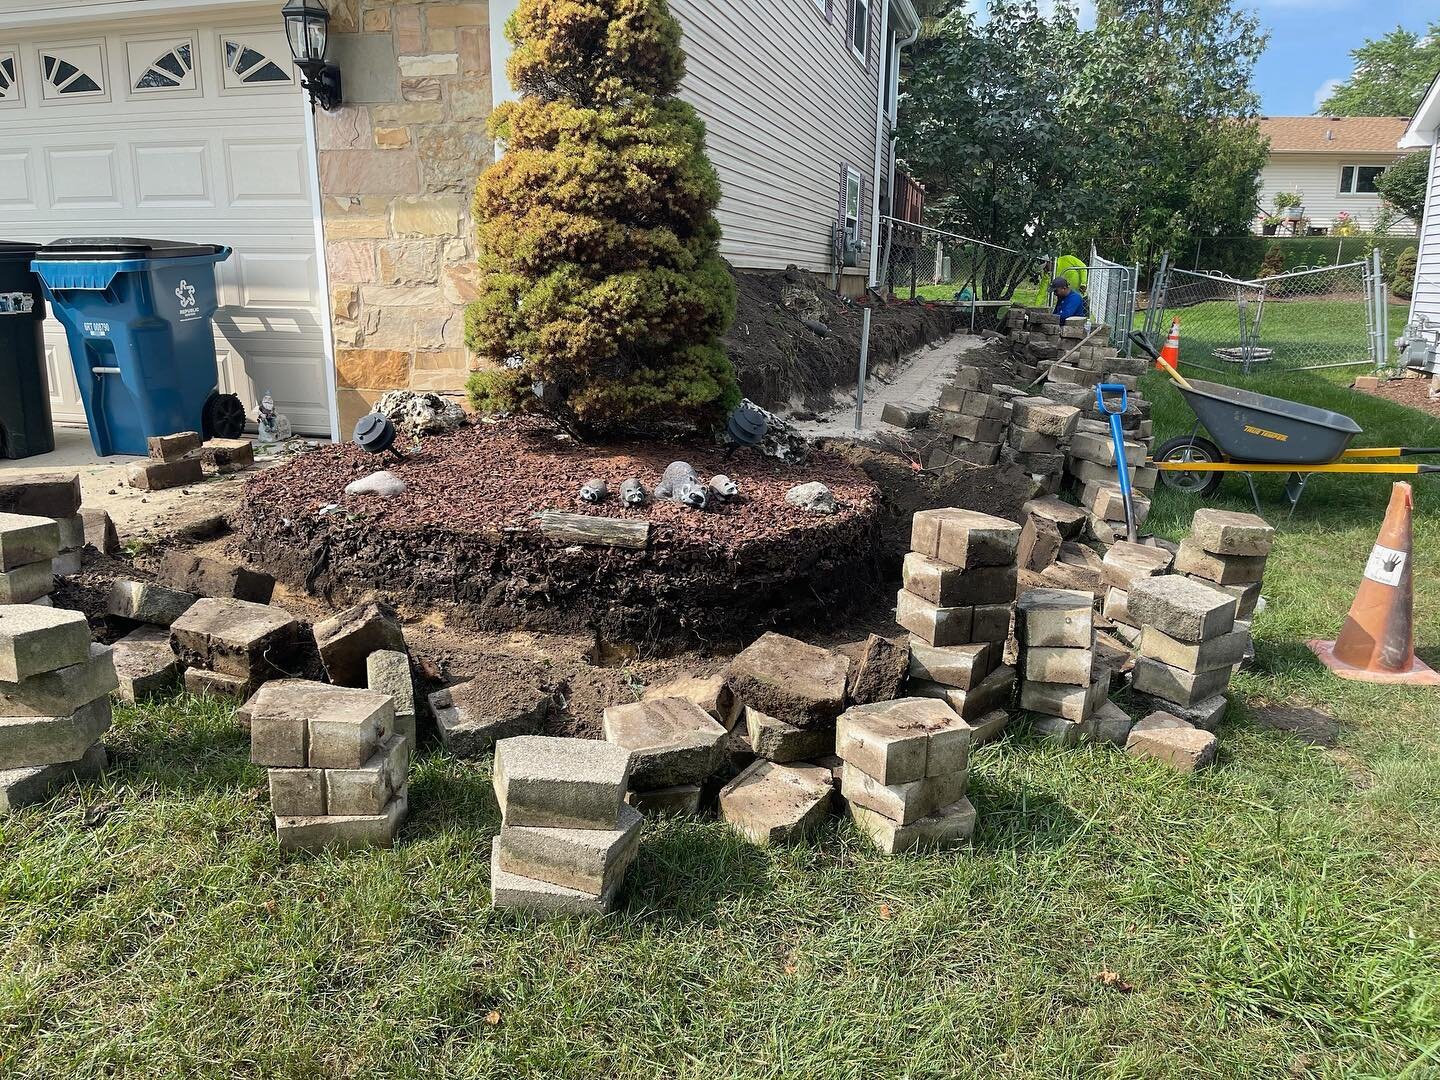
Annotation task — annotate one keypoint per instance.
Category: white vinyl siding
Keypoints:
(787, 107)
(1317, 177)
(1426, 300)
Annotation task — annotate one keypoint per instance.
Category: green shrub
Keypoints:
(1274, 261)
(1402, 281)
(602, 293)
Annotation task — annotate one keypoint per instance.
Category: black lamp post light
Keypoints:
(307, 28)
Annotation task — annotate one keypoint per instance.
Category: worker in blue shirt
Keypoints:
(1068, 302)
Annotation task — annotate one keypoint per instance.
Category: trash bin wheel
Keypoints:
(224, 417)
(1187, 448)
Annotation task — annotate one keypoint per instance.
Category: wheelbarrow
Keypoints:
(1254, 433)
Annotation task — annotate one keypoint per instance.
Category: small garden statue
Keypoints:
(682, 484)
(274, 427)
(632, 492)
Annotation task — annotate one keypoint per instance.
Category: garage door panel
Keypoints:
(293, 381)
(17, 190)
(266, 173)
(83, 177)
(276, 278)
(172, 175)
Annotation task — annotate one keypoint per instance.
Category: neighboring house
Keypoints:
(1424, 131)
(1331, 162)
(354, 251)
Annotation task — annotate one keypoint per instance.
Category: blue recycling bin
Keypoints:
(137, 314)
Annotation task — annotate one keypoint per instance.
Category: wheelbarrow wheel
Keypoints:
(1190, 448)
(223, 417)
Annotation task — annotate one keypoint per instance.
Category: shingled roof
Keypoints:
(1333, 134)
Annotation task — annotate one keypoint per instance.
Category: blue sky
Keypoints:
(1310, 43)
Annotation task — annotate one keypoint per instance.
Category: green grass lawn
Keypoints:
(1301, 333)
(1276, 917)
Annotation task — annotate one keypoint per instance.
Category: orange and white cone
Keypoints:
(1377, 642)
(1170, 354)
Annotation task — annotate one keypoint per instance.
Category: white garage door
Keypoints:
(176, 130)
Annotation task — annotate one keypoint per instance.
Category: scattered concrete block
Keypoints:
(671, 741)
(342, 833)
(1040, 542)
(944, 585)
(1058, 665)
(775, 740)
(516, 893)
(1158, 720)
(1225, 532)
(992, 692)
(235, 637)
(1186, 748)
(144, 664)
(54, 496)
(160, 475)
(1125, 562)
(1194, 560)
(679, 801)
(66, 564)
(772, 804)
(52, 740)
(1107, 724)
(988, 727)
(1247, 598)
(27, 583)
(100, 531)
(934, 625)
(369, 788)
(948, 827)
(61, 692)
(346, 639)
(1056, 618)
(963, 666)
(25, 539)
(880, 673)
(203, 683)
(1060, 699)
(966, 538)
(977, 429)
(1205, 714)
(710, 692)
(210, 577)
(27, 786)
(902, 803)
(1224, 651)
(587, 860)
(1101, 449)
(228, 455)
(1173, 684)
(1103, 497)
(387, 671)
(560, 783)
(1056, 729)
(473, 716)
(147, 602)
(1032, 442)
(172, 447)
(1044, 415)
(1117, 607)
(35, 640)
(297, 792)
(991, 623)
(1068, 520)
(899, 742)
(790, 680)
(904, 416)
(1183, 609)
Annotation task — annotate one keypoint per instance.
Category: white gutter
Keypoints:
(1424, 129)
(907, 10)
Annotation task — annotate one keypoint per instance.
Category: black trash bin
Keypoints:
(25, 427)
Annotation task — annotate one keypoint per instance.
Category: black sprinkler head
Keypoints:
(375, 434)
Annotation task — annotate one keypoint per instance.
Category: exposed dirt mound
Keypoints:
(783, 363)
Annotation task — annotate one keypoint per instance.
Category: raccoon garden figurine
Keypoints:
(682, 484)
(594, 491)
(723, 488)
(632, 492)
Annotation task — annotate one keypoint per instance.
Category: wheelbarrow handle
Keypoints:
(1143, 343)
(1112, 389)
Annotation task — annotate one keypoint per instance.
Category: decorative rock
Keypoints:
(26, 741)
(61, 692)
(146, 602)
(211, 577)
(144, 664)
(938, 626)
(881, 671)
(512, 892)
(347, 639)
(383, 483)
(27, 786)
(1221, 569)
(560, 783)
(771, 804)
(948, 827)
(1183, 609)
(342, 833)
(671, 741)
(1186, 749)
(587, 860)
(678, 801)
(900, 742)
(235, 637)
(1225, 532)
(710, 692)
(1055, 618)
(26, 583)
(25, 539)
(34, 640)
(813, 498)
(417, 413)
(387, 671)
(801, 684)
(775, 740)
(1173, 684)
(1224, 651)
(160, 475)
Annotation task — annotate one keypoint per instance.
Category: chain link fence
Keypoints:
(1304, 320)
(1110, 298)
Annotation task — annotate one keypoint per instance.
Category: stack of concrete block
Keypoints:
(230, 647)
(1228, 550)
(173, 462)
(54, 702)
(1040, 432)
(1037, 338)
(906, 772)
(28, 548)
(1188, 646)
(56, 497)
(144, 611)
(1124, 564)
(787, 694)
(675, 746)
(567, 835)
(338, 771)
(100, 531)
(970, 421)
(960, 580)
(1061, 681)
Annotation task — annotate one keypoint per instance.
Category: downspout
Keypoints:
(873, 277)
(900, 47)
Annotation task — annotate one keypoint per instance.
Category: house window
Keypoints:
(1360, 179)
(255, 62)
(824, 7)
(853, 185)
(71, 72)
(860, 28)
(161, 65)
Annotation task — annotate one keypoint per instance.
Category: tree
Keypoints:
(602, 293)
(1403, 185)
(1390, 77)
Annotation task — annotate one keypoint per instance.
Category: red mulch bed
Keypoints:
(1412, 392)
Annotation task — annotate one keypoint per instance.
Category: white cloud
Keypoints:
(1324, 90)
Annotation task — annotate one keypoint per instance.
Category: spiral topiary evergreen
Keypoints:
(602, 293)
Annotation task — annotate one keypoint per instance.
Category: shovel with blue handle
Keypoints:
(1117, 436)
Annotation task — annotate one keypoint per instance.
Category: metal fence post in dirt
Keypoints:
(864, 367)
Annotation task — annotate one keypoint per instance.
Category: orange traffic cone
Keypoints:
(1377, 642)
(1170, 354)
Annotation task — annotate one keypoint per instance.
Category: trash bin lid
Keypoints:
(17, 251)
(112, 248)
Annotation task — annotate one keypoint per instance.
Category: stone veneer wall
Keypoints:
(398, 165)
